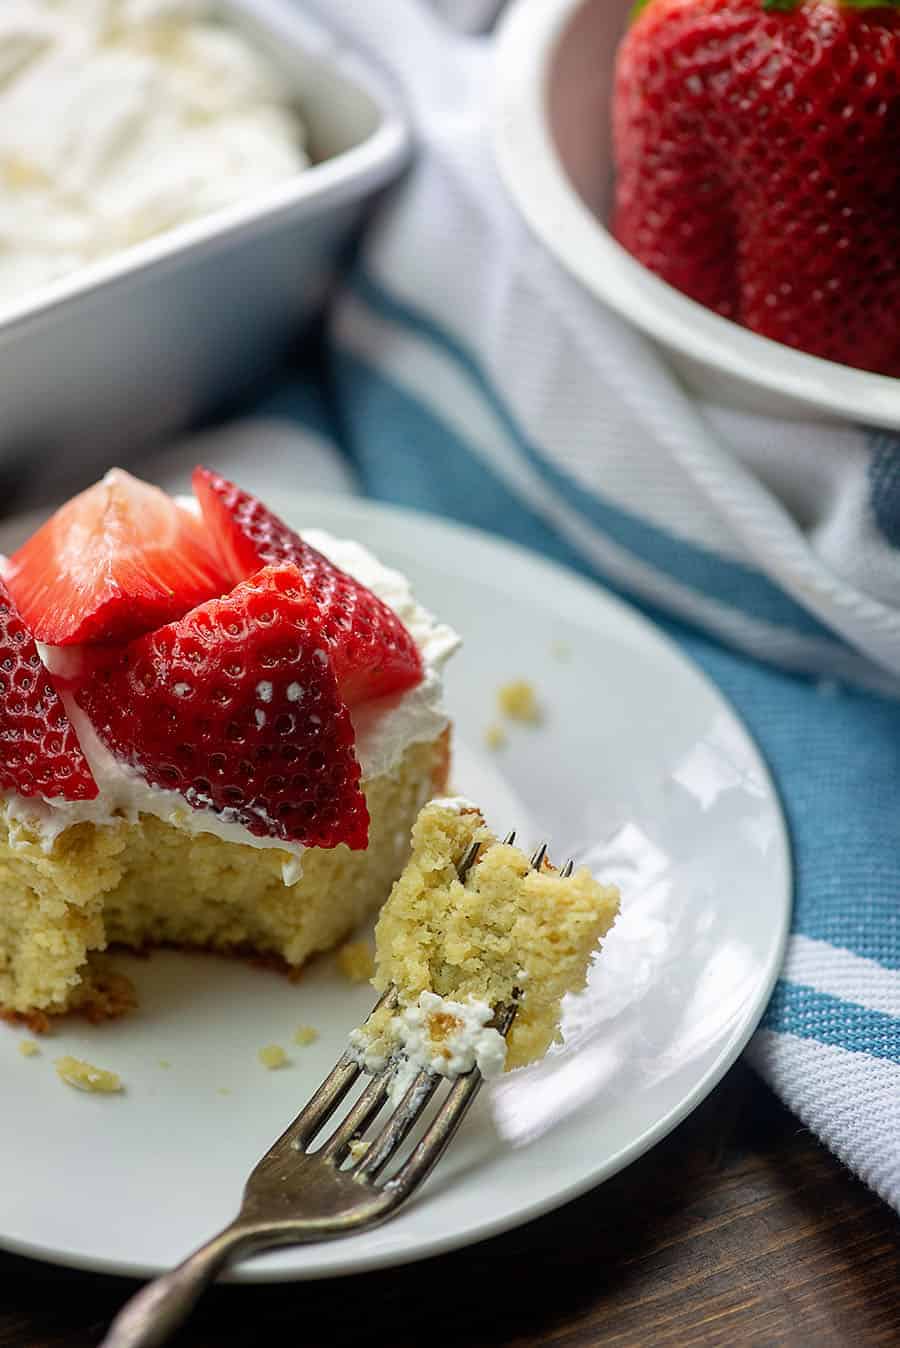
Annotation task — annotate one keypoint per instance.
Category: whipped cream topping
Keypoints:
(384, 728)
(435, 1034)
(120, 119)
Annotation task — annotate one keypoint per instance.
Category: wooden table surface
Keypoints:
(738, 1229)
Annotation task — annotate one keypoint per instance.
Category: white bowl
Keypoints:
(555, 62)
(126, 351)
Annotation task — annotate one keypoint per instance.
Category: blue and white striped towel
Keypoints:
(473, 378)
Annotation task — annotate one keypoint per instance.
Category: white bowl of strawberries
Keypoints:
(726, 175)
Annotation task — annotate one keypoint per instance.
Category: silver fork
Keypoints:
(295, 1196)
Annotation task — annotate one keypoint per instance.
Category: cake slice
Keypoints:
(456, 951)
(214, 733)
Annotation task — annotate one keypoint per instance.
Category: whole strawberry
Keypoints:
(758, 155)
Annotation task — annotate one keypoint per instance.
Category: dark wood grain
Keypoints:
(738, 1229)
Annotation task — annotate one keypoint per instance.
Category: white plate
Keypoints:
(640, 766)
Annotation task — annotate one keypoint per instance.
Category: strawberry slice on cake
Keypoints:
(39, 751)
(237, 706)
(212, 734)
(372, 652)
(119, 559)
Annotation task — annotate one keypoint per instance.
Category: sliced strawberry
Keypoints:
(372, 652)
(236, 706)
(39, 750)
(116, 561)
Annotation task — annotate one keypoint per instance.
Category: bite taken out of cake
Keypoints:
(214, 733)
(456, 951)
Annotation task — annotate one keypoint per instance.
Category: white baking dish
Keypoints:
(130, 349)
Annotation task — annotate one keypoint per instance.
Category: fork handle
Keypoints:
(157, 1310)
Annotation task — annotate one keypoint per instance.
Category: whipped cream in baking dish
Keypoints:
(122, 118)
(384, 728)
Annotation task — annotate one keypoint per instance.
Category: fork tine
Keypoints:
(537, 859)
(471, 855)
(567, 869)
(404, 1117)
(322, 1104)
(448, 1118)
(435, 1142)
(505, 1015)
(325, 1101)
(468, 860)
(356, 1120)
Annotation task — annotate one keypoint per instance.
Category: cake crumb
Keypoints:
(272, 1056)
(85, 1077)
(305, 1034)
(356, 961)
(518, 700)
(224, 1090)
(165, 1064)
(358, 1148)
(28, 1048)
(561, 650)
(495, 736)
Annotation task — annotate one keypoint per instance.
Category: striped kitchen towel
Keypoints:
(472, 377)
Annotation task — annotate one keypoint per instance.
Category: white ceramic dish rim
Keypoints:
(324, 184)
(346, 515)
(535, 176)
